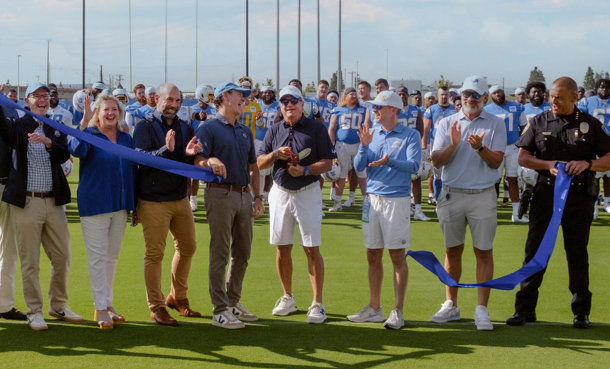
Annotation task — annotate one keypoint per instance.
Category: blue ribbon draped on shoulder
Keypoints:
(167, 165)
(540, 260)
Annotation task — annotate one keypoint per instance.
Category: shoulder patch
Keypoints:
(526, 128)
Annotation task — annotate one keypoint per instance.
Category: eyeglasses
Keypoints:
(293, 101)
(475, 95)
(40, 97)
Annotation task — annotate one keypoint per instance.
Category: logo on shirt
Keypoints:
(397, 144)
(244, 135)
(57, 134)
(253, 109)
(512, 109)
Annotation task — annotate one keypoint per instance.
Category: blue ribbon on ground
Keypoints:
(167, 165)
(540, 260)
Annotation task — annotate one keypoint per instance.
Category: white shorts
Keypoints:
(346, 154)
(286, 209)
(510, 162)
(389, 224)
(263, 172)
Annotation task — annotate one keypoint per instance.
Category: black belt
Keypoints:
(578, 180)
(240, 189)
(42, 195)
(3, 181)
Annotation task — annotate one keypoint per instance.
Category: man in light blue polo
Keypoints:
(469, 148)
(392, 153)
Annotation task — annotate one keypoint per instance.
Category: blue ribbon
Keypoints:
(175, 167)
(540, 260)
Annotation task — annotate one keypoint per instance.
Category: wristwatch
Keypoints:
(590, 164)
(306, 171)
(258, 197)
(480, 148)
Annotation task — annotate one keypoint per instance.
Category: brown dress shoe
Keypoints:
(182, 306)
(162, 317)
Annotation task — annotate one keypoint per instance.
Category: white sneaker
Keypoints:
(285, 305)
(367, 314)
(336, 207)
(316, 313)
(447, 313)
(37, 323)
(349, 202)
(227, 320)
(395, 321)
(481, 319)
(68, 315)
(419, 215)
(193, 205)
(324, 206)
(523, 219)
(240, 311)
(607, 209)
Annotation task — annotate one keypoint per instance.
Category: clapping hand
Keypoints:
(476, 141)
(193, 147)
(170, 140)
(366, 136)
(380, 162)
(455, 133)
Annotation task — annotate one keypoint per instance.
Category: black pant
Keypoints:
(576, 224)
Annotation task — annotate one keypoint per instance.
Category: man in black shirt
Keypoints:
(568, 135)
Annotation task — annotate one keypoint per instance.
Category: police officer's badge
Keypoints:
(584, 127)
(307, 108)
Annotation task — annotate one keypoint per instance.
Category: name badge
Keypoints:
(546, 133)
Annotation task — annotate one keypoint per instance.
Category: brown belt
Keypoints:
(229, 187)
(3, 181)
(42, 195)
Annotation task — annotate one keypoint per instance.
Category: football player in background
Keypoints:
(457, 103)
(453, 93)
(599, 107)
(12, 94)
(345, 123)
(252, 110)
(432, 116)
(270, 108)
(581, 93)
(140, 92)
(123, 97)
(150, 106)
(410, 116)
(57, 112)
(416, 99)
(537, 105)
(333, 97)
(429, 100)
(514, 121)
(520, 96)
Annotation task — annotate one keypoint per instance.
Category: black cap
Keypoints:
(416, 92)
(402, 89)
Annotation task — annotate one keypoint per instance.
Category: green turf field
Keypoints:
(289, 342)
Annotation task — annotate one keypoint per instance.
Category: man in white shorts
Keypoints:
(299, 150)
(392, 152)
(270, 107)
(469, 148)
(345, 123)
(514, 120)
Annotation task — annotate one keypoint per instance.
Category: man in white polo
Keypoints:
(469, 148)
(392, 153)
(299, 150)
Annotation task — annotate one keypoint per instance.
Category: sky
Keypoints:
(501, 40)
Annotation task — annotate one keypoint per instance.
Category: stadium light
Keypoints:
(277, 75)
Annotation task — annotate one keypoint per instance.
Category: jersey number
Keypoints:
(408, 122)
(510, 123)
(352, 122)
(601, 115)
(326, 113)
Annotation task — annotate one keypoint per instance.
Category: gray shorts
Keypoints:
(478, 210)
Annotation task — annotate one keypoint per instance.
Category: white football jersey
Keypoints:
(184, 113)
(61, 115)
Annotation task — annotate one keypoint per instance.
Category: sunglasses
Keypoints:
(293, 101)
(475, 95)
(378, 107)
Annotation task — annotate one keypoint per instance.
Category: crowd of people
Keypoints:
(277, 149)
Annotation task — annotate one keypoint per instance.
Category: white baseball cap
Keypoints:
(387, 98)
(495, 88)
(292, 91)
(476, 83)
(454, 90)
(99, 86)
(150, 89)
(266, 88)
(428, 94)
(519, 90)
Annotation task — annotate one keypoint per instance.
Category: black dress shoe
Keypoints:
(14, 314)
(521, 318)
(581, 321)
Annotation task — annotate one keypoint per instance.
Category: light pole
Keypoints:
(299, 43)
(48, 63)
(18, 84)
(339, 69)
(130, 70)
(277, 75)
(318, 40)
(165, 41)
(247, 40)
(196, 42)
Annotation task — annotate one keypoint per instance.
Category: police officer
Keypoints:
(568, 135)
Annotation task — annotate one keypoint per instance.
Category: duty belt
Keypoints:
(578, 180)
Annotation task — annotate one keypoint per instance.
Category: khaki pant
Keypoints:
(8, 257)
(43, 222)
(157, 219)
(230, 219)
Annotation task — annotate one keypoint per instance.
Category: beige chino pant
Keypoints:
(157, 219)
(8, 257)
(43, 222)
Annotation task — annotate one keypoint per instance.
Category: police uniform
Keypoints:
(575, 137)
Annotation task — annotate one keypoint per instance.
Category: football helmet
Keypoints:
(205, 94)
(527, 175)
(425, 171)
(78, 100)
(333, 173)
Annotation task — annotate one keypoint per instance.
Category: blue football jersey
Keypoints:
(133, 107)
(269, 114)
(325, 108)
(349, 122)
(408, 116)
(435, 113)
(142, 112)
(597, 108)
(210, 110)
(509, 113)
(309, 107)
(531, 111)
